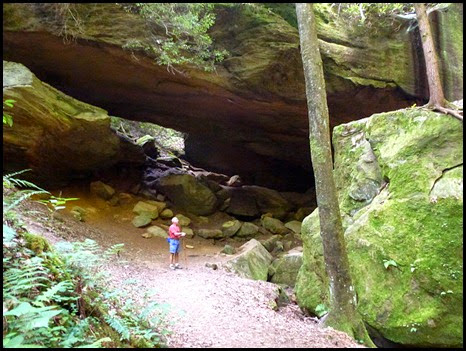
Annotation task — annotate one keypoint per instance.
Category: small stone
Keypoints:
(160, 197)
(247, 229)
(166, 214)
(230, 228)
(141, 221)
(157, 231)
(114, 201)
(189, 247)
(125, 198)
(210, 233)
(183, 220)
(102, 190)
(189, 232)
(135, 189)
(229, 250)
(214, 266)
(295, 226)
(147, 235)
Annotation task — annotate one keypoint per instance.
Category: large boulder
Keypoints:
(57, 136)
(252, 261)
(269, 201)
(241, 203)
(284, 269)
(187, 193)
(400, 177)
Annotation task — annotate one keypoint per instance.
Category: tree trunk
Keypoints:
(342, 315)
(436, 97)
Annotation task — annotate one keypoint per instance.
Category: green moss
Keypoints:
(419, 301)
(36, 243)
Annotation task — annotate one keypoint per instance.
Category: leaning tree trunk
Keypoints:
(343, 314)
(436, 97)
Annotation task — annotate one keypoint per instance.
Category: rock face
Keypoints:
(249, 117)
(57, 136)
(400, 181)
(251, 262)
(284, 270)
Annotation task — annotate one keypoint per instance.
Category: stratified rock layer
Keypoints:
(58, 137)
(249, 117)
(400, 182)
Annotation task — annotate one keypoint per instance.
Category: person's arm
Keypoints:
(179, 234)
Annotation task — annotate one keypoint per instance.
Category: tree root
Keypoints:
(448, 111)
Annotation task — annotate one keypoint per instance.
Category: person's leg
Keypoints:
(172, 254)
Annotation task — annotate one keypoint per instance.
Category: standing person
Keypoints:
(174, 235)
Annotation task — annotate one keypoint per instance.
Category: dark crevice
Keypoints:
(443, 173)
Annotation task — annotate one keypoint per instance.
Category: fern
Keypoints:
(119, 325)
(24, 195)
(52, 293)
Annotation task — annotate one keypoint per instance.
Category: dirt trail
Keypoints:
(207, 308)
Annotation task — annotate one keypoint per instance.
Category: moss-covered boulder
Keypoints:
(157, 231)
(294, 226)
(166, 214)
(187, 193)
(142, 220)
(230, 228)
(210, 233)
(252, 261)
(183, 220)
(271, 242)
(247, 229)
(284, 269)
(147, 209)
(57, 136)
(404, 234)
(274, 225)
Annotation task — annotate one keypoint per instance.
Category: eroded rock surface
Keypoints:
(249, 117)
(412, 213)
(57, 136)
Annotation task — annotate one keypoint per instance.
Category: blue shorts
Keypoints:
(174, 245)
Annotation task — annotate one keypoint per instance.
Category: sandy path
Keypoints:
(208, 308)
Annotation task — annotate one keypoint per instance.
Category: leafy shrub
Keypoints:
(60, 297)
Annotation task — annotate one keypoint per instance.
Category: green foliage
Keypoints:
(178, 33)
(41, 305)
(168, 141)
(321, 310)
(367, 18)
(56, 203)
(388, 263)
(15, 198)
(46, 293)
(7, 118)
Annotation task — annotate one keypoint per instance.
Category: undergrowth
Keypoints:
(60, 297)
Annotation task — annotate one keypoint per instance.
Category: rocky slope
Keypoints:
(400, 181)
(249, 117)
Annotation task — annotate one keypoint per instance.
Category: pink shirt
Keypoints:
(174, 228)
